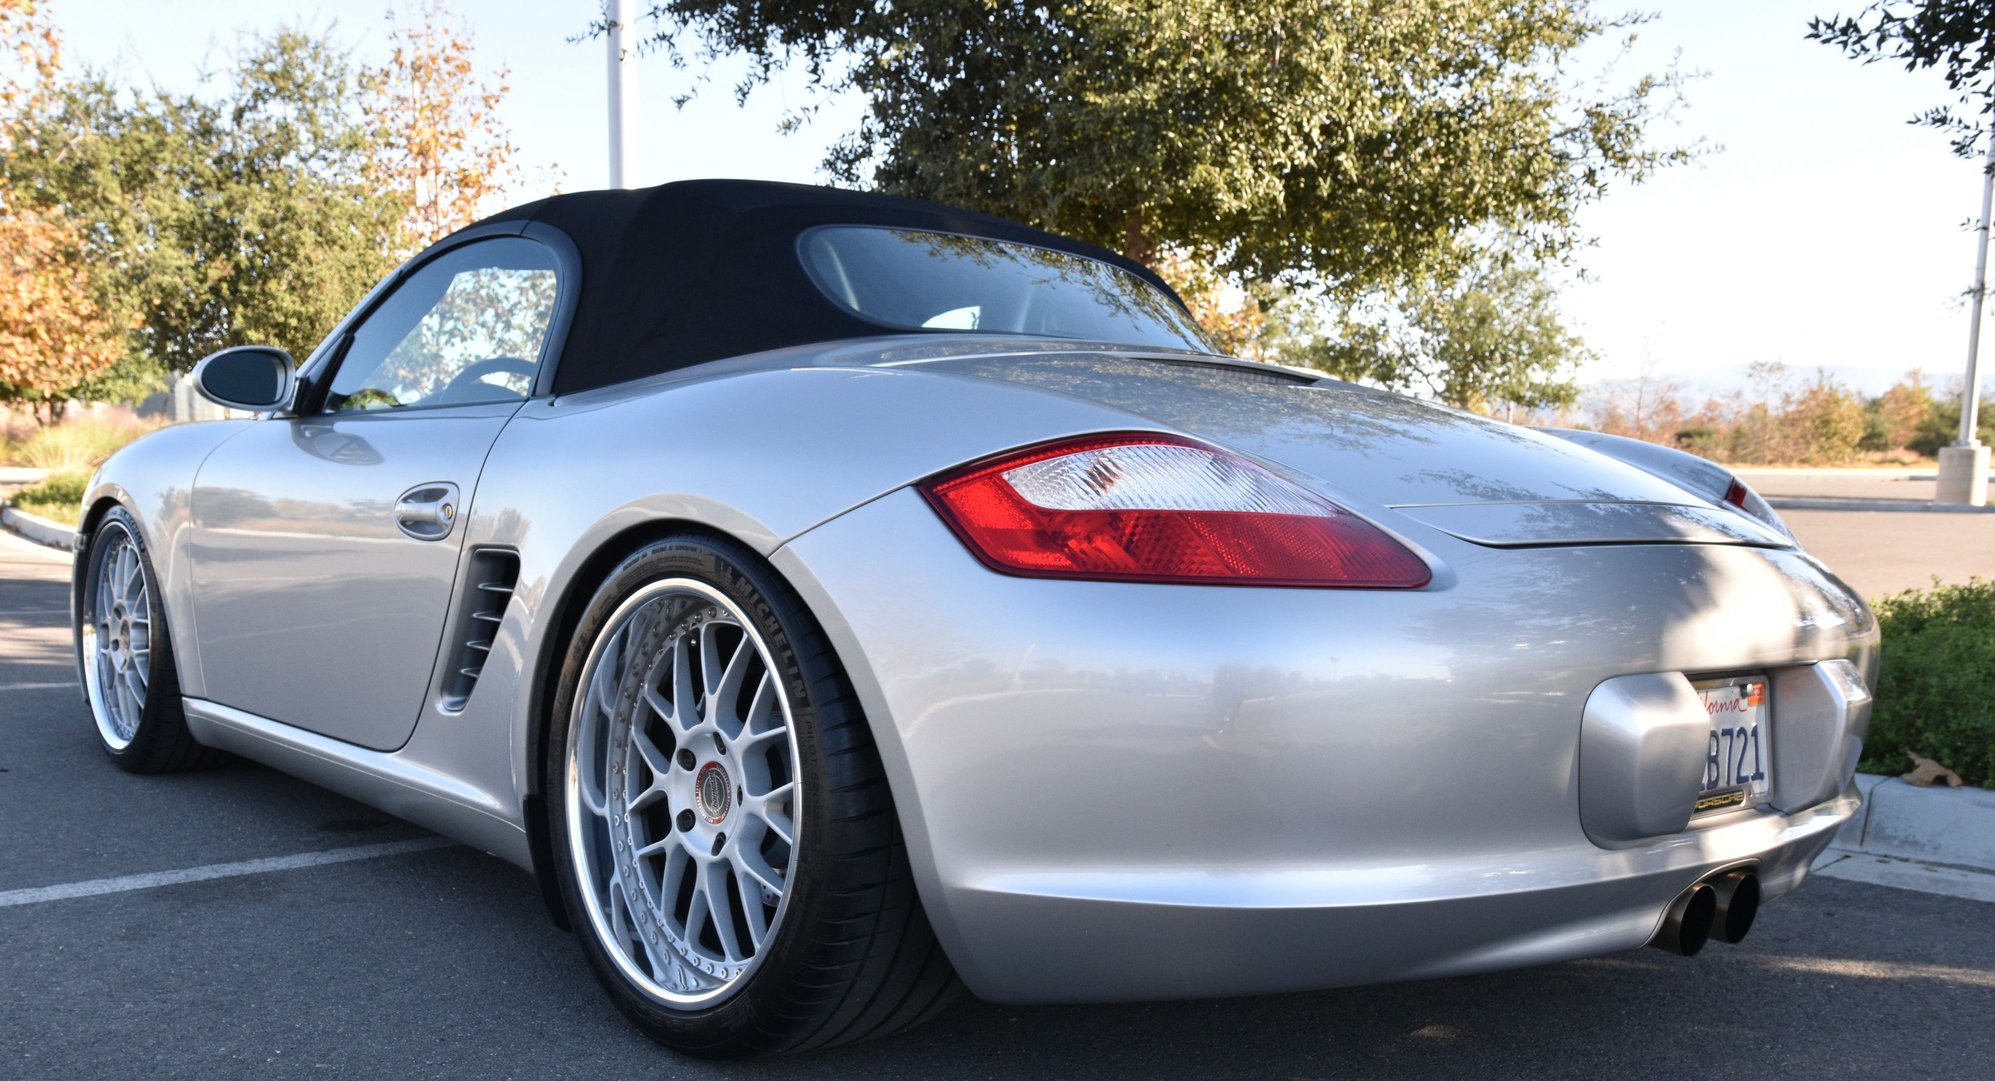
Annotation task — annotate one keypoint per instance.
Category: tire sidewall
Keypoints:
(754, 1012)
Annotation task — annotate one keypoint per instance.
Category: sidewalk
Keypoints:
(1897, 484)
(1936, 840)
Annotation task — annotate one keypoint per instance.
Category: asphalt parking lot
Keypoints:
(437, 961)
(1884, 552)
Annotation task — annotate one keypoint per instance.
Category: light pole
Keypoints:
(1964, 466)
(622, 18)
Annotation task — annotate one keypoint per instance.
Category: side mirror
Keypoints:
(258, 378)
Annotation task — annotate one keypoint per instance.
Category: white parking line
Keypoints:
(127, 883)
(37, 686)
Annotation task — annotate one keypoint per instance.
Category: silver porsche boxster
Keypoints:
(837, 600)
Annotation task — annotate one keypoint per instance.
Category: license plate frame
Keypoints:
(1738, 762)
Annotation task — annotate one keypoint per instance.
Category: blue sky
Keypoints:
(1826, 231)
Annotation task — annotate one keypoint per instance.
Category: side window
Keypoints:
(466, 327)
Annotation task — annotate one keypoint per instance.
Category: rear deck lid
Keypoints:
(1526, 525)
(1470, 476)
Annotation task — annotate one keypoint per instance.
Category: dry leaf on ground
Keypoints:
(1925, 771)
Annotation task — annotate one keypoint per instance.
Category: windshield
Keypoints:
(911, 279)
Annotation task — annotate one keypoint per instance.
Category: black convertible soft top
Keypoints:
(698, 270)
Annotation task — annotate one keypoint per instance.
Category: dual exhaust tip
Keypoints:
(1721, 907)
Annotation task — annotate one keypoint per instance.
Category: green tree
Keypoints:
(1957, 37)
(242, 216)
(1893, 419)
(1943, 425)
(1346, 144)
(1486, 337)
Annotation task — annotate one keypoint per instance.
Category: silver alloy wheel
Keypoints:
(682, 800)
(117, 637)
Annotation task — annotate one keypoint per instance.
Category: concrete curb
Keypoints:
(15, 474)
(39, 529)
(1920, 505)
(1954, 826)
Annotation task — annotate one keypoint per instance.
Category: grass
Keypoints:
(58, 498)
(78, 445)
(1936, 692)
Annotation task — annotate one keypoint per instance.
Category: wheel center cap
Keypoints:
(714, 792)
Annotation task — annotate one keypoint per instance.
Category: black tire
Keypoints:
(852, 955)
(160, 741)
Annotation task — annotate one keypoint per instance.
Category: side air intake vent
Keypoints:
(493, 572)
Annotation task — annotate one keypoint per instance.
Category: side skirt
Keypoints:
(380, 779)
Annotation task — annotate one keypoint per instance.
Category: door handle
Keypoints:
(427, 512)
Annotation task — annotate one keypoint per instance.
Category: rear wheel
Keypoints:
(127, 656)
(723, 832)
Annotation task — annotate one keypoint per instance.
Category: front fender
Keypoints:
(153, 479)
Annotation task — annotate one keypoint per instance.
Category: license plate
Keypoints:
(1736, 758)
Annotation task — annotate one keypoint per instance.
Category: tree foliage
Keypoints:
(256, 209)
(1235, 319)
(53, 334)
(243, 217)
(1485, 337)
(1956, 37)
(1343, 143)
(444, 153)
(30, 55)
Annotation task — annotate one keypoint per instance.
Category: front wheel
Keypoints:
(723, 833)
(126, 655)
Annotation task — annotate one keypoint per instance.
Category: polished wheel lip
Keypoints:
(116, 637)
(597, 861)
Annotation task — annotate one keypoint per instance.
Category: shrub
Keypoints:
(1936, 693)
(58, 498)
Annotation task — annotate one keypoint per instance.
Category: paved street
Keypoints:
(440, 963)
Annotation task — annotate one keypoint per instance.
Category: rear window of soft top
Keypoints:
(912, 279)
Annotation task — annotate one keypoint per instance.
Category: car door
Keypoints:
(324, 544)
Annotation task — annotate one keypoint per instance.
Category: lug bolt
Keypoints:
(685, 820)
(686, 758)
(719, 841)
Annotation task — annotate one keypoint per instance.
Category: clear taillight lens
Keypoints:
(1154, 508)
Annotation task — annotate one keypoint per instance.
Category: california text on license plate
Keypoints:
(1736, 758)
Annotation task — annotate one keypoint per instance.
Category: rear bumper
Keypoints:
(1120, 936)
(1120, 791)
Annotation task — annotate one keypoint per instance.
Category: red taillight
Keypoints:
(1738, 494)
(1155, 508)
